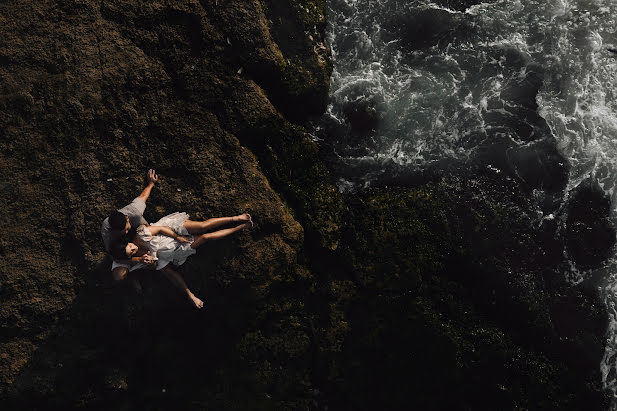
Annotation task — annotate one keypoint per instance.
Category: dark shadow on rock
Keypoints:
(590, 235)
(116, 349)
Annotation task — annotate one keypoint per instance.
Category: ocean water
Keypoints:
(525, 87)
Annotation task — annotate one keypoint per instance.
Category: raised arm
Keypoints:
(151, 179)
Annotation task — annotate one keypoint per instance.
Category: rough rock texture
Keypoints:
(386, 299)
(455, 301)
(92, 94)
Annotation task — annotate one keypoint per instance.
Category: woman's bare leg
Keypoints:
(199, 227)
(179, 282)
(217, 235)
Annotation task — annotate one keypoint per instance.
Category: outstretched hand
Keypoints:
(150, 179)
(152, 176)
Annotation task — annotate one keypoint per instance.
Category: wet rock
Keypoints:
(501, 120)
(362, 116)
(542, 168)
(424, 28)
(457, 262)
(522, 90)
(590, 235)
(515, 110)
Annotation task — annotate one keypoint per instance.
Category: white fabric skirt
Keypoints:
(166, 249)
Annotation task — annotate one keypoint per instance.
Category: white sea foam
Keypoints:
(432, 104)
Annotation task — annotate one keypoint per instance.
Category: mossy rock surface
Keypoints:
(455, 300)
(93, 94)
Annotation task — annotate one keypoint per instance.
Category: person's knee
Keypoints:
(201, 239)
(119, 273)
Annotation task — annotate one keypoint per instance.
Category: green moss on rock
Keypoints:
(445, 302)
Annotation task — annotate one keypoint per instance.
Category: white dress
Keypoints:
(165, 248)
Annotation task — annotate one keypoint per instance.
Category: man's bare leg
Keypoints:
(199, 227)
(179, 282)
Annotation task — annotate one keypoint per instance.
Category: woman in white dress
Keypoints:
(168, 241)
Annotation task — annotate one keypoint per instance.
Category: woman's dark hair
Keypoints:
(118, 249)
(117, 220)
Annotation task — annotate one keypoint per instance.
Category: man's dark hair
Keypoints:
(118, 250)
(130, 236)
(117, 220)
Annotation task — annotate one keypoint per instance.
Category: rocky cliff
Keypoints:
(387, 298)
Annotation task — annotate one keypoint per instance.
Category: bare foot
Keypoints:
(196, 301)
(243, 217)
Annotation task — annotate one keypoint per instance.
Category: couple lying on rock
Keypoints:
(133, 244)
